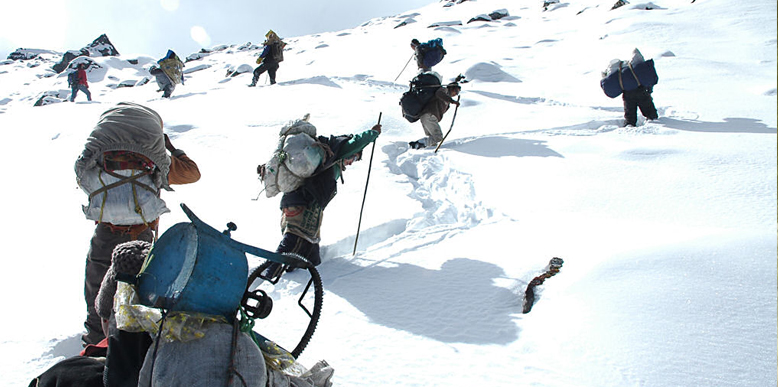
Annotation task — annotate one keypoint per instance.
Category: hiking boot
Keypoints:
(252, 84)
(416, 145)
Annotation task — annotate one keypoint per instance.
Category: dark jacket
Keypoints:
(77, 371)
(439, 103)
(322, 186)
(267, 53)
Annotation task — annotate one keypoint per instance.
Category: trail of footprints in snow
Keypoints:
(446, 194)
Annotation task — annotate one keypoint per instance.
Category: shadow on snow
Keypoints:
(457, 304)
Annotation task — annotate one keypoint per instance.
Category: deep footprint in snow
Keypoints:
(447, 195)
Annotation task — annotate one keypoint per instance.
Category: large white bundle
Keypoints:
(297, 156)
(303, 154)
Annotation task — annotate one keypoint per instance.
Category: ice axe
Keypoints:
(369, 167)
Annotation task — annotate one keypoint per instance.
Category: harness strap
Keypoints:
(138, 209)
(633, 73)
(124, 180)
(133, 180)
(621, 84)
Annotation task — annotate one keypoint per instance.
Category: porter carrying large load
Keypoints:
(422, 90)
(623, 76)
(296, 157)
(172, 66)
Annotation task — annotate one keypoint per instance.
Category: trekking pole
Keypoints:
(369, 167)
(449, 129)
(258, 195)
(403, 70)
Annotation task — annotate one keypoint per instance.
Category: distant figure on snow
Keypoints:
(272, 54)
(634, 80)
(432, 114)
(168, 72)
(428, 54)
(80, 83)
(546, 3)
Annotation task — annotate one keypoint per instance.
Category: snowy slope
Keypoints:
(668, 229)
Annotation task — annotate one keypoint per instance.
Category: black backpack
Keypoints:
(277, 51)
(422, 91)
(73, 78)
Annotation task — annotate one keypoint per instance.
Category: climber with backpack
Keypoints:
(432, 113)
(634, 80)
(272, 54)
(123, 168)
(168, 72)
(428, 54)
(308, 175)
(78, 81)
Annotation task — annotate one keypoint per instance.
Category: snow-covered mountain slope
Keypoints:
(667, 228)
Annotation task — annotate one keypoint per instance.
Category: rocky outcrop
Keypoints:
(619, 4)
(22, 54)
(52, 97)
(28, 53)
(495, 15)
(101, 46)
(499, 14)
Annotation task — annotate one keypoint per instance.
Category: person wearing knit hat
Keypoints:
(123, 168)
(272, 54)
(127, 258)
(126, 350)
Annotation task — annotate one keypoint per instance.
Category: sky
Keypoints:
(667, 229)
(151, 27)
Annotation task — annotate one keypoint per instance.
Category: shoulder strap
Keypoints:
(633, 74)
(123, 180)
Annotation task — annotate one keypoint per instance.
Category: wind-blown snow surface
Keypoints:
(668, 229)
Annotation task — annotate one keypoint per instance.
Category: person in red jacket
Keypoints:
(80, 84)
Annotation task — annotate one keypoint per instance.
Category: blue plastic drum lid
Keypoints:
(194, 269)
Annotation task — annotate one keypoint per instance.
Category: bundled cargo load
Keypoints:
(623, 76)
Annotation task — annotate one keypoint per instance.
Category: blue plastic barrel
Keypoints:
(194, 268)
